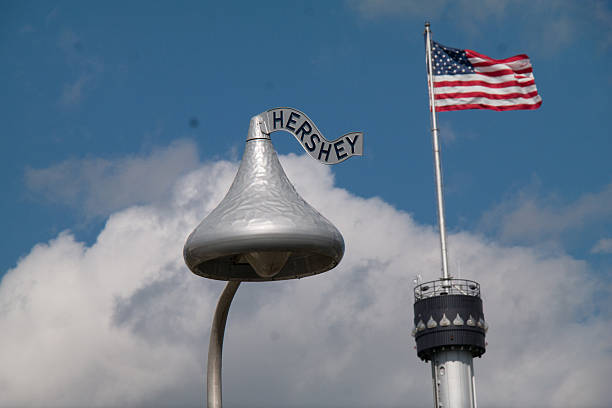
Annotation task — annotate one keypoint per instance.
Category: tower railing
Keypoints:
(443, 287)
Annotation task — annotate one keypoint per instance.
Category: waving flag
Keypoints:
(465, 79)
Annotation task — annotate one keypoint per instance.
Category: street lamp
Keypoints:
(263, 230)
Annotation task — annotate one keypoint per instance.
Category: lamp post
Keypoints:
(263, 230)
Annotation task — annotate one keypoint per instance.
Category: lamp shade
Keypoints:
(263, 229)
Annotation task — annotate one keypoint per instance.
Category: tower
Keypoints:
(449, 324)
(449, 329)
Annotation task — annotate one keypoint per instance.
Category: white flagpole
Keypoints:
(436, 151)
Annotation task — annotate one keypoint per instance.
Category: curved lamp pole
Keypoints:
(215, 347)
(263, 230)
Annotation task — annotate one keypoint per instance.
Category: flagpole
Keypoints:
(450, 346)
(436, 151)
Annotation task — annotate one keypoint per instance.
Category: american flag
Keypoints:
(465, 79)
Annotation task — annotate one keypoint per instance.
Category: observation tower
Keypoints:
(449, 329)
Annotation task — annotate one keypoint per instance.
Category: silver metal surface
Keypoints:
(453, 379)
(263, 230)
(310, 137)
(261, 218)
(215, 347)
(436, 152)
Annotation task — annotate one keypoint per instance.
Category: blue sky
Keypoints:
(107, 107)
(109, 80)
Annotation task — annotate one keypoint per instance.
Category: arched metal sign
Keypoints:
(310, 137)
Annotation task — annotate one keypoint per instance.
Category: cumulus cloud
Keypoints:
(86, 68)
(603, 246)
(124, 323)
(603, 15)
(386, 8)
(476, 10)
(529, 217)
(26, 29)
(550, 25)
(72, 92)
(449, 135)
(100, 186)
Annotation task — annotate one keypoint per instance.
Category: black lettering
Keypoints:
(290, 121)
(275, 119)
(326, 151)
(352, 143)
(339, 149)
(312, 140)
(303, 129)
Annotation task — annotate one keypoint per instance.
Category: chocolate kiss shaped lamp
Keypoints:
(263, 230)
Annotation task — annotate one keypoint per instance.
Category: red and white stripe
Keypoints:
(504, 84)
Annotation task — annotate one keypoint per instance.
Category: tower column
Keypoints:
(453, 379)
(449, 329)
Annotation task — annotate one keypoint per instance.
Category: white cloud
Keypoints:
(124, 323)
(449, 135)
(603, 15)
(27, 29)
(87, 69)
(100, 186)
(528, 217)
(476, 10)
(549, 25)
(603, 246)
(397, 8)
(73, 92)
(51, 16)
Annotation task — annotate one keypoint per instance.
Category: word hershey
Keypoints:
(304, 130)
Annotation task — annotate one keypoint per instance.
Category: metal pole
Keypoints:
(453, 378)
(215, 348)
(436, 151)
